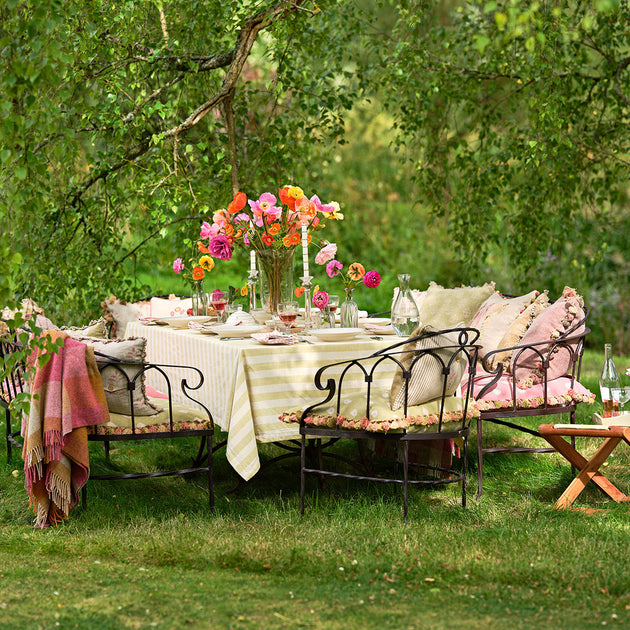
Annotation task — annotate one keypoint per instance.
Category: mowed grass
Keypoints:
(149, 554)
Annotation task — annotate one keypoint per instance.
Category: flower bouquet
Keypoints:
(272, 227)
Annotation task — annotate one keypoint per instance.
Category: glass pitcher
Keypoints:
(405, 315)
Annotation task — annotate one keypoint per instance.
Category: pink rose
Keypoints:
(326, 253)
(178, 265)
(372, 279)
(220, 247)
(333, 268)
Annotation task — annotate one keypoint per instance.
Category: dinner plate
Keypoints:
(236, 331)
(381, 330)
(336, 334)
(181, 321)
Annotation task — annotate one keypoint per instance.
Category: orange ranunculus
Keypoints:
(202, 248)
(299, 292)
(267, 239)
(238, 203)
(228, 230)
(198, 273)
(290, 240)
(286, 241)
(238, 233)
(274, 228)
(207, 263)
(356, 271)
(244, 290)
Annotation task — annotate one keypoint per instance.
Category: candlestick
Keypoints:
(252, 260)
(305, 249)
(306, 283)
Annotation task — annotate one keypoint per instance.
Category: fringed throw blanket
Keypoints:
(67, 396)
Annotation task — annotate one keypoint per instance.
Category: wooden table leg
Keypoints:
(589, 470)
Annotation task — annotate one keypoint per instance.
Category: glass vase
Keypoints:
(327, 318)
(199, 299)
(276, 278)
(349, 311)
(405, 315)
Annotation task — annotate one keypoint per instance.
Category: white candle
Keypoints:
(305, 249)
(252, 260)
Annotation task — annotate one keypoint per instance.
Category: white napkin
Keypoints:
(274, 337)
(378, 329)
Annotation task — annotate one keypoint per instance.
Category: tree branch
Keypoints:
(228, 113)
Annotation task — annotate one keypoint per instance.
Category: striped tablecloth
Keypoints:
(248, 385)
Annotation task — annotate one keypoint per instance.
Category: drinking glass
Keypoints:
(288, 312)
(219, 300)
(624, 397)
(333, 305)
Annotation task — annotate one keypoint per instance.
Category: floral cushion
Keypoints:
(381, 418)
(559, 393)
(119, 313)
(132, 349)
(426, 380)
(518, 329)
(495, 316)
(554, 321)
(184, 419)
(171, 307)
(446, 308)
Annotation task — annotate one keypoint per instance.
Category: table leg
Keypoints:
(589, 470)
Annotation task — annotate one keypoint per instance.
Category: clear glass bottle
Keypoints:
(405, 315)
(609, 385)
(199, 299)
(349, 311)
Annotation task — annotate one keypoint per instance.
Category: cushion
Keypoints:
(518, 329)
(185, 418)
(426, 381)
(171, 307)
(119, 313)
(96, 328)
(446, 308)
(559, 393)
(420, 418)
(556, 320)
(115, 383)
(495, 316)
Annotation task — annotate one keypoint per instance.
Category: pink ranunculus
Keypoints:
(178, 265)
(333, 268)
(372, 279)
(220, 247)
(326, 253)
(320, 299)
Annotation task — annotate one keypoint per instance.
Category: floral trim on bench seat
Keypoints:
(419, 418)
(559, 393)
(185, 418)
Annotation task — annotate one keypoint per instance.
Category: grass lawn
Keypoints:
(148, 554)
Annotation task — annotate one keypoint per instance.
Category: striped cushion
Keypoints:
(426, 380)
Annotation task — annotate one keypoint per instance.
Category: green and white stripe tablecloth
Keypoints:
(248, 385)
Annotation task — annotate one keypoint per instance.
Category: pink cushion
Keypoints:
(554, 321)
(559, 393)
(162, 307)
(154, 393)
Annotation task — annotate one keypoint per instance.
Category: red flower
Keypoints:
(238, 203)
(267, 239)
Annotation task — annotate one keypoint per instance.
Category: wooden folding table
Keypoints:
(589, 469)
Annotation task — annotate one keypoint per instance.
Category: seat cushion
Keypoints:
(559, 393)
(185, 418)
(170, 307)
(381, 418)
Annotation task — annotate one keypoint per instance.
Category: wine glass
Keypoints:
(624, 397)
(219, 300)
(288, 312)
(333, 305)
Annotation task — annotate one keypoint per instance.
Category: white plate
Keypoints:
(381, 330)
(336, 334)
(236, 331)
(181, 321)
(377, 321)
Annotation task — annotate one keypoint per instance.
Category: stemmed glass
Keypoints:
(288, 312)
(219, 300)
(624, 397)
(333, 305)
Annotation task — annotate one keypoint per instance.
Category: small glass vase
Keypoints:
(349, 311)
(276, 279)
(405, 315)
(199, 299)
(327, 318)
